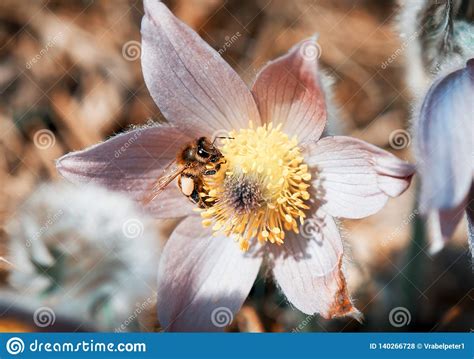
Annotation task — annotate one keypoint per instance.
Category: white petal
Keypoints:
(445, 140)
(308, 268)
(288, 92)
(353, 178)
(130, 163)
(192, 85)
(203, 280)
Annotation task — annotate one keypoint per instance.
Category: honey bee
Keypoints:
(197, 159)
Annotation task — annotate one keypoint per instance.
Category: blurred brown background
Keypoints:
(70, 76)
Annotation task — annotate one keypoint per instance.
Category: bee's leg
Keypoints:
(210, 172)
(216, 168)
(187, 184)
(195, 197)
(215, 158)
(201, 204)
(192, 188)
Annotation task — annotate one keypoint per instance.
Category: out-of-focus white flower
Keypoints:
(438, 35)
(445, 147)
(86, 252)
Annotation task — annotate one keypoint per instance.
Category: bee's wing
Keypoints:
(171, 171)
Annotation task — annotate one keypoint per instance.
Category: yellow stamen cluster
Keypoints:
(261, 190)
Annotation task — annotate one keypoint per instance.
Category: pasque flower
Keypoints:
(278, 177)
(85, 252)
(436, 34)
(445, 145)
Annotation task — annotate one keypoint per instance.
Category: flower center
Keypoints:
(261, 190)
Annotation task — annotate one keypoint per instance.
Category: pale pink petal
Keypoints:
(288, 92)
(443, 223)
(130, 163)
(308, 268)
(203, 280)
(354, 179)
(470, 222)
(445, 140)
(192, 85)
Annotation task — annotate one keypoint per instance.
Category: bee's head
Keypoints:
(206, 151)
